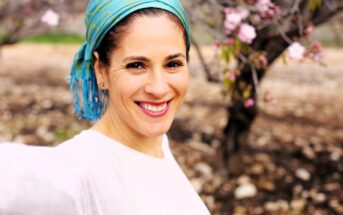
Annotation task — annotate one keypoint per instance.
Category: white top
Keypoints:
(92, 174)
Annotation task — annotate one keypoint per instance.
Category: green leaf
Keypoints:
(237, 47)
(247, 92)
(225, 54)
(228, 83)
(284, 58)
(312, 5)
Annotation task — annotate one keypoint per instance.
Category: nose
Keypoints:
(157, 86)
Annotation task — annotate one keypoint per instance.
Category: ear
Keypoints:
(100, 72)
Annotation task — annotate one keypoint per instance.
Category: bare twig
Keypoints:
(253, 72)
(256, 82)
(282, 33)
(296, 11)
(295, 7)
(201, 59)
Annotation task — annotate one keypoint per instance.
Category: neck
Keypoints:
(110, 126)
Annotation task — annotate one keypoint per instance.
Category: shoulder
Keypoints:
(83, 137)
(34, 195)
(82, 151)
(84, 144)
(90, 150)
(37, 180)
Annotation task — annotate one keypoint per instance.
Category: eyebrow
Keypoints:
(141, 58)
(175, 56)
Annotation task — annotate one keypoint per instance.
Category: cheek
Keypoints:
(179, 82)
(124, 86)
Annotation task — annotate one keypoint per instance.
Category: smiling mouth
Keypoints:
(154, 109)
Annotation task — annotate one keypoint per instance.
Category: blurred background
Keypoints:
(277, 150)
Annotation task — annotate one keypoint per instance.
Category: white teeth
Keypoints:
(154, 108)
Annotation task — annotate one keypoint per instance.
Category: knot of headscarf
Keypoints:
(101, 16)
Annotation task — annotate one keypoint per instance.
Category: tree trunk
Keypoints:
(240, 118)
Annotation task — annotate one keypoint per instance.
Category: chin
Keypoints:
(156, 131)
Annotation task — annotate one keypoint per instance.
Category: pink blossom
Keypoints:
(256, 19)
(228, 10)
(249, 103)
(267, 8)
(50, 18)
(232, 20)
(231, 76)
(247, 33)
(243, 12)
(263, 60)
(216, 46)
(296, 51)
(263, 6)
(28, 11)
(230, 41)
(267, 97)
(316, 52)
(317, 46)
(273, 11)
(250, 2)
(309, 29)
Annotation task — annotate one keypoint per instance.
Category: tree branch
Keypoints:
(201, 59)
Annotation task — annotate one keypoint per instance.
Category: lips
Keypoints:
(154, 109)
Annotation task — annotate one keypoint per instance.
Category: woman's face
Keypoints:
(148, 76)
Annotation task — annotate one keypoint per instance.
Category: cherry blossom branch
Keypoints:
(255, 80)
(295, 8)
(296, 11)
(282, 33)
(253, 72)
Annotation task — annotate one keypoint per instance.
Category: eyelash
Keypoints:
(140, 65)
(135, 65)
(176, 64)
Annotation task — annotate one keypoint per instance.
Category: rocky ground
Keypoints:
(292, 163)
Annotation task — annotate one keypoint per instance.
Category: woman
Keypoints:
(130, 77)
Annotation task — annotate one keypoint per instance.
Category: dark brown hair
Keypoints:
(112, 38)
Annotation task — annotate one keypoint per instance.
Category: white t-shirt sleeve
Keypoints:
(31, 182)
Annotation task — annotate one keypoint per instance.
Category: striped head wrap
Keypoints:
(101, 16)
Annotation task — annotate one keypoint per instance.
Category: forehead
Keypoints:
(148, 35)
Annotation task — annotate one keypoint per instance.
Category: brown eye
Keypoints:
(174, 64)
(135, 65)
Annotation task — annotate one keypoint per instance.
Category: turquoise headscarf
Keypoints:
(101, 16)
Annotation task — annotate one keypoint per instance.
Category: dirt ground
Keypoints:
(292, 163)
